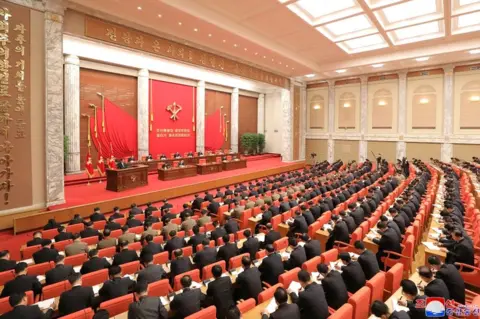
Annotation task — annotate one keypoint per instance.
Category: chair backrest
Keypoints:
(360, 303)
(39, 269)
(76, 260)
(160, 258)
(276, 220)
(122, 221)
(207, 313)
(325, 218)
(260, 254)
(118, 305)
(344, 312)
(246, 305)
(365, 227)
(311, 265)
(236, 261)
(329, 256)
(60, 245)
(107, 252)
(130, 268)
(376, 285)
(5, 305)
(356, 235)
(135, 246)
(116, 233)
(55, 290)
(27, 252)
(195, 274)
(312, 229)
(268, 293)
(280, 244)
(6, 276)
(286, 278)
(92, 240)
(136, 230)
(95, 278)
(393, 277)
(207, 270)
(99, 225)
(159, 288)
(86, 313)
(49, 234)
(76, 228)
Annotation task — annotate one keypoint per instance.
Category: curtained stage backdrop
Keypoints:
(217, 120)
(170, 134)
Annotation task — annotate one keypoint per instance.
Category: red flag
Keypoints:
(101, 165)
(89, 166)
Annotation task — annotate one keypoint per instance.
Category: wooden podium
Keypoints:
(177, 172)
(122, 179)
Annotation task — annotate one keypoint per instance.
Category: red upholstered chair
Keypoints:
(116, 233)
(118, 305)
(261, 254)
(160, 258)
(100, 225)
(376, 285)
(344, 312)
(76, 260)
(49, 234)
(90, 241)
(82, 314)
(311, 265)
(187, 252)
(267, 294)
(393, 277)
(276, 220)
(246, 305)
(5, 305)
(365, 227)
(207, 270)
(360, 303)
(27, 252)
(406, 257)
(55, 290)
(60, 245)
(286, 278)
(130, 268)
(195, 274)
(6, 276)
(76, 228)
(158, 239)
(95, 278)
(325, 218)
(157, 226)
(107, 252)
(178, 221)
(286, 216)
(136, 230)
(159, 288)
(39, 269)
(280, 244)
(236, 261)
(135, 246)
(207, 313)
(329, 256)
(200, 246)
(313, 228)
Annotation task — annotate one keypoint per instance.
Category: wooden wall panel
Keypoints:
(316, 146)
(247, 116)
(214, 100)
(346, 150)
(466, 151)
(120, 89)
(296, 123)
(388, 150)
(423, 151)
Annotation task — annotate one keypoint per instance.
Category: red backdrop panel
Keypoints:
(166, 134)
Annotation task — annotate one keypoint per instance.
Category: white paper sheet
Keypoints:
(195, 285)
(294, 287)
(96, 289)
(272, 306)
(164, 301)
(41, 278)
(45, 304)
(437, 230)
(370, 236)
(77, 268)
(301, 244)
(430, 245)
(285, 254)
(397, 307)
(260, 237)
(327, 227)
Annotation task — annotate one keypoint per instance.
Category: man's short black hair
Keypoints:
(149, 238)
(270, 248)
(205, 242)
(233, 313)
(322, 268)
(303, 276)
(178, 253)
(426, 272)
(59, 258)
(379, 308)
(92, 253)
(74, 277)
(409, 287)
(20, 267)
(292, 241)
(3, 253)
(16, 298)
(344, 256)
(281, 295)
(172, 233)
(186, 281)
(382, 225)
(106, 232)
(147, 257)
(217, 271)
(246, 261)
(434, 260)
(124, 228)
(247, 233)
(141, 287)
(226, 238)
(359, 245)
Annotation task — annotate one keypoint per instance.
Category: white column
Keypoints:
(447, 149)
(261, 114)
(72, 112)
(234, 119)
(331, 121)
(142, 112)
(200, 118)
(402, 114)
(303, 121)
(331, 151)
(287, 132)
(363, 145)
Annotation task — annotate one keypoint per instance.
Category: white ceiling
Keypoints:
(298, 37)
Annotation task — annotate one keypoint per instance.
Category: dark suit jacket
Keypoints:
(388, 241)
(179, 266)
(7, 264)
(369, 264)
(437, 288)
(147, 308)
(286, 311)
(151, 274)
(358, 215)
(94, 264)
(30, 312)
(271, 237)
(350, 223)
(174, 243)
(38, 241)
(205, 257)
(220, 291)
(218, 232)
(63, 236)
(44, 255)
(134, 223)
(125, 256)
(231, 226)
(187, 303)
(308, 217)
(197, 203)
(57, 274)
(248, 284)
(339, 233)
(96, 217)
(297, 258)
(213, 207)
(271, 268)
(335, 289)
(251, 246)
(461, 252)
(113, 226)
(195, 240)
(89, 232)
(414, 312)
(284, 207)
(312, 249)
(152, 248)
(454, 281)
(20, 284)
(312, 302)
(353, 276)
(400, 223)
(116, 288)
(75, 299)
(299, 225)
(227, 251)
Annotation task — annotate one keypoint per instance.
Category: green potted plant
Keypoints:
(245, 141)
(261, 142)
(254, 145)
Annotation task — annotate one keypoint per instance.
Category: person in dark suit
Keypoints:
(311, 300)
(388, 241)
(271, 266)
(112, 225)
(434, 287)
(151, 272)
(299, 224)
(397, 219)
(22, 282)
(339, 232)
(352, 273)
(186, 210)
(63, 234)
(349, 221)
(284, 206)
(367, 260)
(231, 225)
(312, 247)
(307, 215)
(218, 232)
(297, 256)
(94, 263)
(97, 215)
(21, 309)
(179, 265)
(174, 243)
(271, 236)
(115, 287)
(380, 310)
(133, 222)
(251, 245)
(145, 307)
(38, 240)
(205, 257)
(461, 251)
(151, 247)
(124, 255)
(213, 207)
(51, 224)
(77, 219)
(248, 283)
(391, 224)
(45, 254)
(228, 250)
(77, 298)
(452, 278)
(89, 231)
(61, 271)
(356, 213)
(284, 310)
(116, 213)
(334, 287)
(5, 262)
(134, 210)
(121, 164)
(166, 205)
(197, 202)
(197, 238)
(189, 301)
(410, 292)
(220, 292)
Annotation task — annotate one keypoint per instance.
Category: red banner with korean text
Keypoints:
(171, 118)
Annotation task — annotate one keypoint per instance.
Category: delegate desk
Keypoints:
(154, 164)
(235, 164)
(122, 179)
(430, 238)
(209, 168)
(322, 236)
(177, 172)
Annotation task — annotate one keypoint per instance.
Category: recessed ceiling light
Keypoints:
(210, 35)
(474, 98)
(224, 41)
(378, 65)
(139, 8)
(316, 107)
(264, 56)
(346, 105)
(245, 49)
(195, 29)
(286, 65)
(159, 15)
(235, 45)
(256, 53)
(273, 60)
(179, 23)
(309, 75)
(475, 51)
(341, 71)
(382, 103)
(422, 59)
(424, 100)
(279, 62)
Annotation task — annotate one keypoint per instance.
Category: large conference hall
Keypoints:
(253, 159)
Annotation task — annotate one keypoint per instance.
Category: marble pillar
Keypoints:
(142, 112)
(261, 114)
(401, 149)
(402, 114)
(200, 117)
(287, 132)
(363, 145)
(54, 171)
(446, 152)
(331, 151)
(72, 112)
(447, 149)
(331, 121)
(303, 121)
(234, 118)
(362, 150)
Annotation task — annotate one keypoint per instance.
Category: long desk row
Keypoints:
(153, 164)
(201, 169)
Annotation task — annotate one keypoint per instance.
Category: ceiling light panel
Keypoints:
(373, 4)
(318, 12)
(464, 6)
(410, 13)
(368, 43)
(416, 33)
(349, 28)
(466, 23)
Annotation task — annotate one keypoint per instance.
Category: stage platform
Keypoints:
(81, 199)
